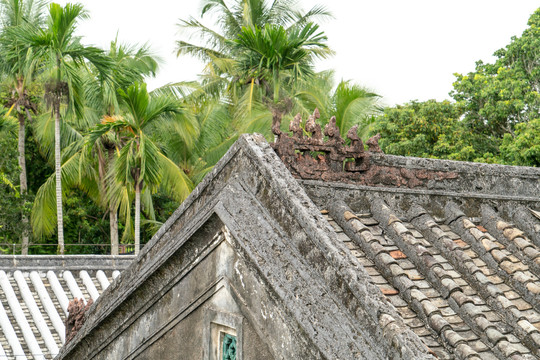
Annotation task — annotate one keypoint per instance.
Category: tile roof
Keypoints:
(34, 295)
(454, 246)
(468, 287)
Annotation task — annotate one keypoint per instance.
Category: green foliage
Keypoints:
(85, 224)
(11, 203)
(231, 18)
(74, 174)
(257, 58)
(431, 129)
(164, 206)
(524, 147)
(139, 164)
(437, 130)
(496, 97)
(350, 103)
(278, 55)
(61, 54)
(140, 159)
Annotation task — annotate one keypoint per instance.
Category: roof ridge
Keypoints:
(329, 158)
(529, 223)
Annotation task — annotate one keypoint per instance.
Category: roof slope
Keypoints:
(389, 257)
(461, 289)
(35, 291)
(454, 246)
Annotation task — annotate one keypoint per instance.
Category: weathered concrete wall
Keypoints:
(469, 177)
(340, 163)
(172, 324)
(175, 325)
(511, 189)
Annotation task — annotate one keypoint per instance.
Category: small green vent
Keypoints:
(229, 347)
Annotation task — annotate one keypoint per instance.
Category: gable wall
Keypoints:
(169, 316)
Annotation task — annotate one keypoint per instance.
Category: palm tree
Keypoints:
(140, 164)
(276, 33)
(19, 67)
(350, 103)
(267, 53)
(61, 53)
(219, 50)
(230, 21)
(278, 57)
(130, 65)
(86, 167)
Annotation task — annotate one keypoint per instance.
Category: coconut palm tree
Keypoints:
(231, 17)
(217, 48)
(272, 59)
(61, 53)
(250, 57)
(19, 68)
(140, 164)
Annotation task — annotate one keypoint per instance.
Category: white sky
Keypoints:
(401, 49)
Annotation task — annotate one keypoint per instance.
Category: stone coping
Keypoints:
(64, 262)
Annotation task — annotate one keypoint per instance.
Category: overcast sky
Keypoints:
(401, 49)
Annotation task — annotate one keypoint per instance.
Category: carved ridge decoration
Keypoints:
(315, 157)
(76, 317)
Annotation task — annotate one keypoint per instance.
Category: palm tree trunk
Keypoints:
(23, 182)
(113, 213)
(113, 219)
(57, 165)
(137, 218)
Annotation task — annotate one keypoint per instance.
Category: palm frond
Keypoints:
(316, 13)
(147, 204)
(174, 182)
(17, 12)
(44, 131)
(353, 105)
(228, 19)
(7, 124)
(200, 52)
(73, 174)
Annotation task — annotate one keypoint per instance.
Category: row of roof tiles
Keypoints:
(468, 290)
